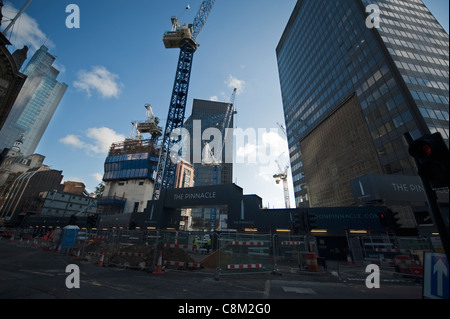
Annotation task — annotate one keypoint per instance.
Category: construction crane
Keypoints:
(181, 37)
(210, 159)
(13, 21)
(282, 175)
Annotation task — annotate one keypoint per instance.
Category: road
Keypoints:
(32, 273)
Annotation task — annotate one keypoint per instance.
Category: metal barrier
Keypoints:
(230, 253)
(240, 253)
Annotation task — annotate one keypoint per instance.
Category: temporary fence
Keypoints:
(242, 252)
(299, 250)
(229, 253)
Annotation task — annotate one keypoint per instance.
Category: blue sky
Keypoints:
(115, 63)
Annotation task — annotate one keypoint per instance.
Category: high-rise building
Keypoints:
(209, 167)
(338, 70)
(35, 104)
(130, 168)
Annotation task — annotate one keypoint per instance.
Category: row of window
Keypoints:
(426, 82)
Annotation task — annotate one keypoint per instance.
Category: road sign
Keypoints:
(435, 280)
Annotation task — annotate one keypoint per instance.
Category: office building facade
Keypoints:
(397, 75)
(35, 104)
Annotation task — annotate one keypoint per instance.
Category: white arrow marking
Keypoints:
(440, 268)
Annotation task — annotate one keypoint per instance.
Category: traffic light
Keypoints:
(92, 220)
(383, 218)
(431, 154)
(312, 221)
(393, 220)
(296, 225)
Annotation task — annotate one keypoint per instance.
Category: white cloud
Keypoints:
(25, 31)
(98, 177)
(262, 147)
(103, 138)
(214, 98)
(73, 140)
(100, 140)
(101, 80)
(233, 82)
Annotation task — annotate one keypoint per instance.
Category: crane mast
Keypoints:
(184, 38)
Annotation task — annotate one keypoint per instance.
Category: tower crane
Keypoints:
(210, 159)
(282, 176)
(181, 37)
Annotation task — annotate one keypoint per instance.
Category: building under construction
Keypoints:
(129, 169)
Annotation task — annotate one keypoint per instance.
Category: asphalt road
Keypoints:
(32, 273)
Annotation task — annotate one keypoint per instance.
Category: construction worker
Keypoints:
(195, 246)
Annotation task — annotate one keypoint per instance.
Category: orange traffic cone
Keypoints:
(349, 259)
(102, 258)
(78, 254)
(159, 270)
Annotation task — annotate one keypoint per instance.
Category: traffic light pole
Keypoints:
(434, 207)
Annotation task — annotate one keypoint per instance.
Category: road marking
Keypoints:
(37, 273)
(266, 290)
(299, 290)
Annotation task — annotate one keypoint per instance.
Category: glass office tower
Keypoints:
(35, 104)
(398, 73)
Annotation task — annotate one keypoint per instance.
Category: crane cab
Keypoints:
(174, 39)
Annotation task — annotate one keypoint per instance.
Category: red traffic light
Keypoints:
(429, 147)
(432, 157)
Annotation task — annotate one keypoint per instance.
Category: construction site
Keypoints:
(153, 216)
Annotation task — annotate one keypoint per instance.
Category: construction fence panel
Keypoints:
(289, 248)
(245, 253)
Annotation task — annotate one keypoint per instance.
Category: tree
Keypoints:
(99, 189)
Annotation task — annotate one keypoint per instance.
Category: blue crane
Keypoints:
(182, 37)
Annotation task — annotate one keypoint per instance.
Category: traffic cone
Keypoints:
(102, 258)
(11, 239)
(58, 250)
(78, 254)
(349, 260)
(20, 241)
(159, 270)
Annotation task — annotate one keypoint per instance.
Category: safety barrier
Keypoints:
(230, 253)
(240, 253)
